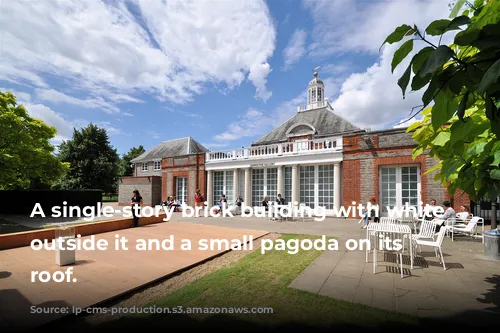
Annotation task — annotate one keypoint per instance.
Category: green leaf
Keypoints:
(417, 152)
(474, 73)
(451, 167)
(496, 160)
(443, 109)
(437, 27)
(458, 5)
(419, 82)
(466, 37)
(401, 53)
(398, 34)
(476, 148)
(405, 79)
(462, 106)
(413, 126)
(457, 22)
(441, 139)
(420, 58)
(429, 93)
(490, 77)
(436, 59)
(495, 174)
(457, 81)
(491, 109)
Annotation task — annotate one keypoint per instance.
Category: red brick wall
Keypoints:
(193, 163)
(351, 169)
(352, 182)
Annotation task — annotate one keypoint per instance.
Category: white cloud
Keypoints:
(406, 122)
(58, 97)
(166, 48)
(252, 123)
(371, 98)
(295, 49)
(361, 26)
(127, 114)
(52, 118)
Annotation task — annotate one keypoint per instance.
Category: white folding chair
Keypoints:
(436, 244)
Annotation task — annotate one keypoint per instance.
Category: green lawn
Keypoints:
(260, 280)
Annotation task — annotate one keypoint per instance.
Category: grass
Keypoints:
(262, 280)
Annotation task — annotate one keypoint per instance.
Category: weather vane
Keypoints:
(315, 70)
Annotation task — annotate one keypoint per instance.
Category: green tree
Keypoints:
(93, 161)
(126, 169)
(461, 99)
(25, 150)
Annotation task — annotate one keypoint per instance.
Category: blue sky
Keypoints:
(223, 72)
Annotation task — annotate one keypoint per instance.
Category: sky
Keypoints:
(224, 72)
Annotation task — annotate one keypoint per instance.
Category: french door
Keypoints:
(181, 189)
(399, 185)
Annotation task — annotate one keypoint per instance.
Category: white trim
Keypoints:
(312, 129)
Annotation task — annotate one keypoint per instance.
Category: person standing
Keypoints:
(136, 203)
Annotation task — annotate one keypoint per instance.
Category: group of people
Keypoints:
(172, 201)
(266, 204)
(464, 214)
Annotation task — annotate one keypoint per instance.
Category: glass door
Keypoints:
(181, 189)
(399, 186)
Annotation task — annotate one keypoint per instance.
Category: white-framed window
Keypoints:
(317, 185)
(325, 186)
(307, 191)
(157, 165)
(288, 184)
(399, 185)
(319, 95)
(181, 189)
(223, 184)
(145, 167)
(264, 183)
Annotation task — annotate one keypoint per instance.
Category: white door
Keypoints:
(399, 185)
(302, 145)
(181, 189)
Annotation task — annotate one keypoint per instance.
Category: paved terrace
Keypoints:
(471, 282)
(101, 275)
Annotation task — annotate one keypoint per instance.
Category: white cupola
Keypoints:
(315, 90)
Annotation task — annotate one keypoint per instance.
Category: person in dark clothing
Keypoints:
(280, 200)
(136, 203)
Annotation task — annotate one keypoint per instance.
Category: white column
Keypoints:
(248, 187)
(336, 186)
(295, 184)
(236, 185)
(210, 189)
(281, 182)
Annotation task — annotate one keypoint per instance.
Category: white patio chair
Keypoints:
(305, 211)
(427, 232)
(466, 229)
(436, 244)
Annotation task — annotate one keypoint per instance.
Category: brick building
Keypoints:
(315, 158)
(172, 168)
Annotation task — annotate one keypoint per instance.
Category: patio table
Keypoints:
(393, 231)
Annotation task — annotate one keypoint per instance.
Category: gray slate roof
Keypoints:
(323, 120)
(171, 148)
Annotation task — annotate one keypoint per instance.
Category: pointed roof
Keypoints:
(172, 148)
(320, 122)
